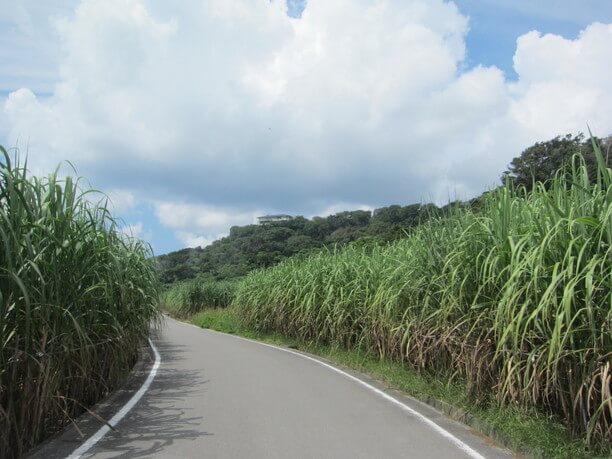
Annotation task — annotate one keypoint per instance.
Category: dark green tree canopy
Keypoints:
(540, 162)
(257, 246)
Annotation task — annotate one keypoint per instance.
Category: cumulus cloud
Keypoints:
(29, 48)
(192, 240)
(235, 104)
(564, 83)
(121, 200)
(137, 231)
(202, 216)
(341, 207)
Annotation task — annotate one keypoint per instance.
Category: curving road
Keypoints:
(219, 396)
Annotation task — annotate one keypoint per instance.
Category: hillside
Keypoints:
(256, 246)
(514, 288)
(259, 246)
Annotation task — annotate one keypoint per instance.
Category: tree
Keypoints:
(301, 243)
(344, 235)
(541, 161)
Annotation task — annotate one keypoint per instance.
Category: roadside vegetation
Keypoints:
(526, 432)
(504, 306)
(183, 299)
(514, 301)
(76, 300)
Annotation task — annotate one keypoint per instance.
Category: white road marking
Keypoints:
(95, 438)
(445, 433)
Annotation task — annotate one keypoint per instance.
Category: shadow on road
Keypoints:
(160, 418)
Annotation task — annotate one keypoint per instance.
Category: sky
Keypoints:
(198, 115)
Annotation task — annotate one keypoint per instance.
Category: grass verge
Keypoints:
(530, 434)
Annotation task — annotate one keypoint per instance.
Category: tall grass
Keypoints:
(76, 298)
(515, 301)
(187, 298)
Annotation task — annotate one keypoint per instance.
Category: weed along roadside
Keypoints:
(186, 298)
(528, 433)
(515, 301)
(76, 301)
(504, 313)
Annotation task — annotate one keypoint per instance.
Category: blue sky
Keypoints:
(295, 7)
(495, 25)
(201, 115)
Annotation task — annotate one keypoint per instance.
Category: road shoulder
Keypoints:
(63, 443)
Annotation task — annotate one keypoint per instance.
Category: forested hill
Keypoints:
(256, 246)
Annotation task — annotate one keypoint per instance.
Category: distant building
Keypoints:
(273, 219)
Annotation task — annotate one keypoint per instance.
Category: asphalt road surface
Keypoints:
(219, 396)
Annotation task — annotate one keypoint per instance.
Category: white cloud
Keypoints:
(29, 45)
(233, 103)
(564, 83)
(192, 240)
(135, 230)
(24, 114)
(121, 200)
(200, 216)
(341, 207)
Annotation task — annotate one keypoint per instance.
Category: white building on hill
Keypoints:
(273, 219)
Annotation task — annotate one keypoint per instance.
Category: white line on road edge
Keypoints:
(95, 438)
(445, 433)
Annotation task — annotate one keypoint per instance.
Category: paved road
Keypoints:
(218, 396)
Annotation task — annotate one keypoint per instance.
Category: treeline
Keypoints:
(259, 246)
